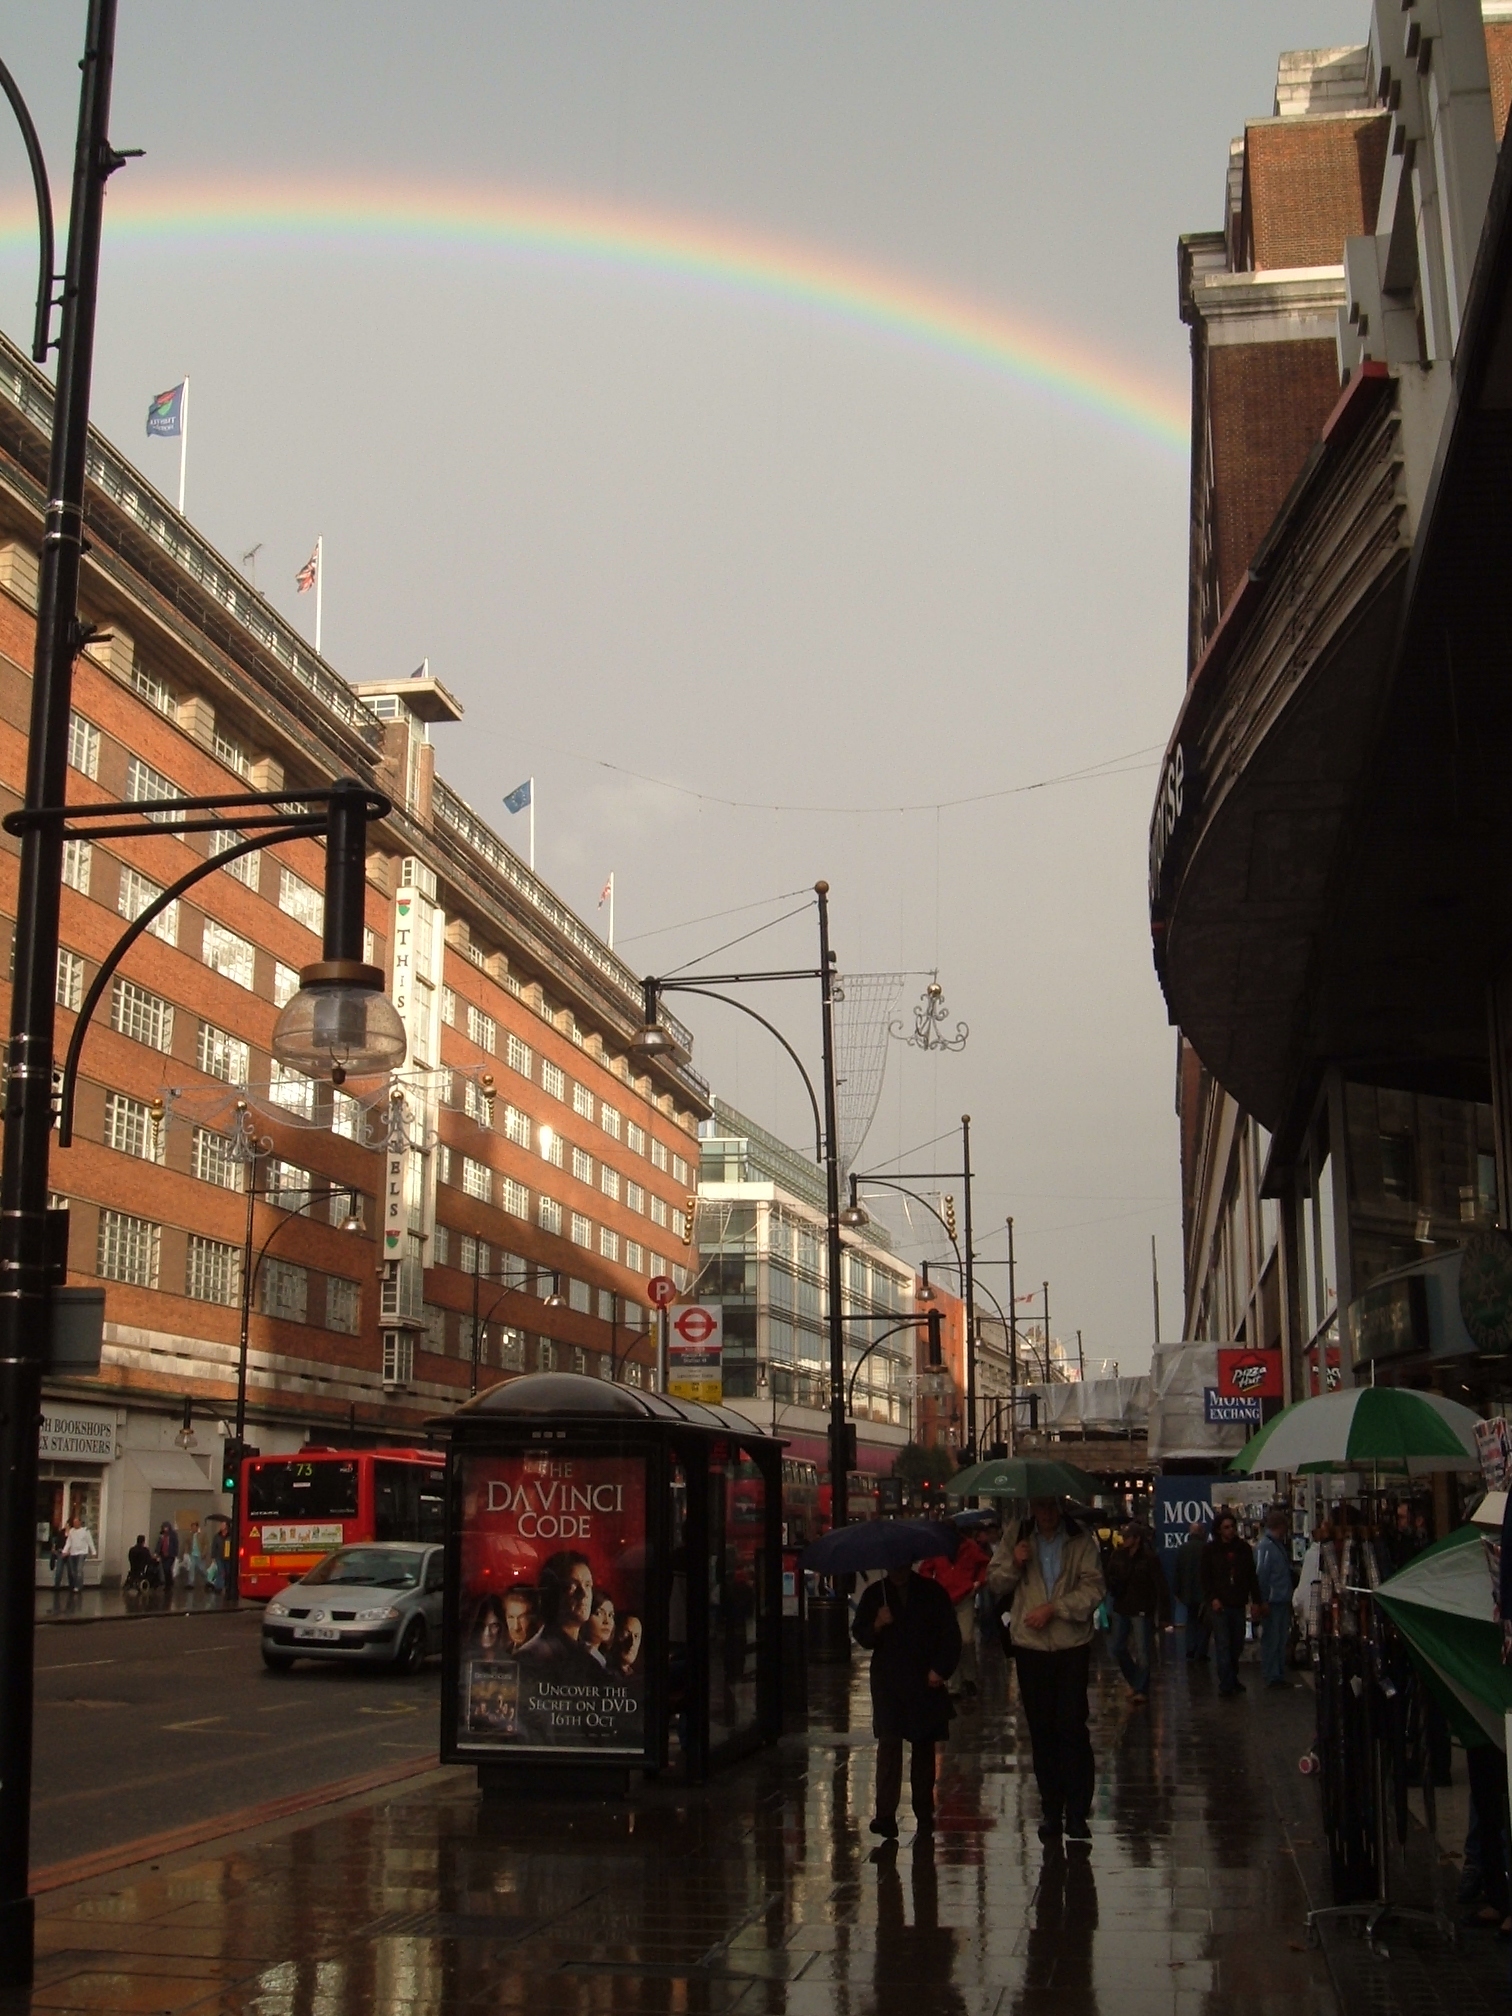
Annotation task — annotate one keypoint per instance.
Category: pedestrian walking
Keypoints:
(1274, 1578)
(1189, 1589)
(57, 1561)
(167, 1554)
(1229, 1589)
(78, 1546)
(1141, 1601)
(197, 1556)
(220, 1548)
(908, 1624)
(1050, 1567)
(961, 1577)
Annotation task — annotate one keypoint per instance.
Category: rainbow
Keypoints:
(739, 265)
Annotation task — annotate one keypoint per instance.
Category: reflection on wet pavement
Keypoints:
(761, 1892)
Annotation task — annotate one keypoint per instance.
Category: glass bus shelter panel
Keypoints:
(678, 1732)
(554, 1548)
(737, 1567)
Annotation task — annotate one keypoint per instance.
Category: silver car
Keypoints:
(377, 1602)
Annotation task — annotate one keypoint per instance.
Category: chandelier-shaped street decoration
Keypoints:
(930, 1019)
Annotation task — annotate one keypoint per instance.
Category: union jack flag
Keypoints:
(304, 580)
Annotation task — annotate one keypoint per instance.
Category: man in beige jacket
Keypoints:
(1052, 1570)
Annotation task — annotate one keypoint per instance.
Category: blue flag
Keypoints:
(519, 798)
(165, 413)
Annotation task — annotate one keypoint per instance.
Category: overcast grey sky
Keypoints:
(738, 544)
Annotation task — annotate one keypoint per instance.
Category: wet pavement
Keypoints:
(764, 1891)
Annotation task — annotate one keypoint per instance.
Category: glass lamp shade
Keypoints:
(338, 1027)
(654, 1041)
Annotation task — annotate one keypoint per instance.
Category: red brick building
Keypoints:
(524, 1153)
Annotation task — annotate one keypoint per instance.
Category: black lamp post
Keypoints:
(511, 1285)
(654, 1041)
(856, 1214)
(28, 1256)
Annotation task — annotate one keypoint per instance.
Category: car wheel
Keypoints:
(277, 1662)
(411, 1654)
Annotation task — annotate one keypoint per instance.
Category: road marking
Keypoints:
(68, 1665)
(200, 1722)
(280, 1707)
(394, 1708)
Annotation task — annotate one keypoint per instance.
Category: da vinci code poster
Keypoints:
(553, 1603)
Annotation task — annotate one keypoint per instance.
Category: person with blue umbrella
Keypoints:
(908, 1624)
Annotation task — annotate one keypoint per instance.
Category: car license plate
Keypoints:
(321, 1633)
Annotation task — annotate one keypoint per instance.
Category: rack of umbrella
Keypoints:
(1375, 1638)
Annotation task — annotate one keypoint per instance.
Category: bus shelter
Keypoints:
(613, 1585)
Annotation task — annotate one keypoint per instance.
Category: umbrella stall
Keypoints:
(613, 1585)
(1370, 1697)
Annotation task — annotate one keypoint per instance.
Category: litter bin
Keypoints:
(829, 1639)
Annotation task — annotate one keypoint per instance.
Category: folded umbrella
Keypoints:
(879, 1543)
(1023, 1477)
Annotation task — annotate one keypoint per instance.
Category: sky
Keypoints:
(763, 419)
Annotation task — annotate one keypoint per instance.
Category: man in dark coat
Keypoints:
(1229, 1587)
(1141, 1599)
(908, 1624)
(1189, 1588)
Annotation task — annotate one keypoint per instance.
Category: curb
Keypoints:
(222, 1826)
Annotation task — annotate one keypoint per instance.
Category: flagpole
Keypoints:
(319, 584)
(183, 440)
(532, 825)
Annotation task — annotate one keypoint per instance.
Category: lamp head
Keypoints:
(340, 1023)
(556, 1299)
(353, 1221)
(651, 1040)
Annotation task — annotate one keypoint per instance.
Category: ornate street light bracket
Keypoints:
(930, 1019)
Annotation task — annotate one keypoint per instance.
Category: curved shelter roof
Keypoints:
(571, 1396)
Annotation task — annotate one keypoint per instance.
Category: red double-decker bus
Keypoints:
(297, 1509)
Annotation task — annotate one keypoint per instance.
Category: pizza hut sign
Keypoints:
(1250, 1375)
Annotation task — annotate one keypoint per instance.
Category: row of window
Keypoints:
(517, 1128)
(129, 1250)
(484, 1031)
(506, 1269)
(512, 1351)
(490, 1186)
(223, 950)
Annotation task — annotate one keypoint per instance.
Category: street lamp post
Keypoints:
(28, 1269)
(654, 1040)
(511, 1285)
(965, 1256)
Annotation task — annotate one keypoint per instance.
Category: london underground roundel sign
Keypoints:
(662, 1289)
(695, 1324)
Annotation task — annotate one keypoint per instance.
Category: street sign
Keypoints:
(662, 1289)
(695, 1352)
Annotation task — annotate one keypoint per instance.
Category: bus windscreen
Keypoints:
(302, 1490)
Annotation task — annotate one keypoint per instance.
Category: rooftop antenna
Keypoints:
(249, 561)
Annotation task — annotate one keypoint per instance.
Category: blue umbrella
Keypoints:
(879, 1543)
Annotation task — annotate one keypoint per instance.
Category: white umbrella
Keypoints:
(1388, 1427)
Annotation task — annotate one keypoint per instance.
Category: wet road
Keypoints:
(151, 1724)
(761, 1892)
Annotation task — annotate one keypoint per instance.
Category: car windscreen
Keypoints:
(372, 1567)
(302, 1489)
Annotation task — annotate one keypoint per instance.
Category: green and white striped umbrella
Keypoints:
(1441, 1603)
(1387, 1426)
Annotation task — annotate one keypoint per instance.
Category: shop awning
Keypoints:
(169, 1470)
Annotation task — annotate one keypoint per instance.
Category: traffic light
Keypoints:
(936, 1325)
(948, 1213)
(233, 1455)
(688, 1216)
(848, 1445)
